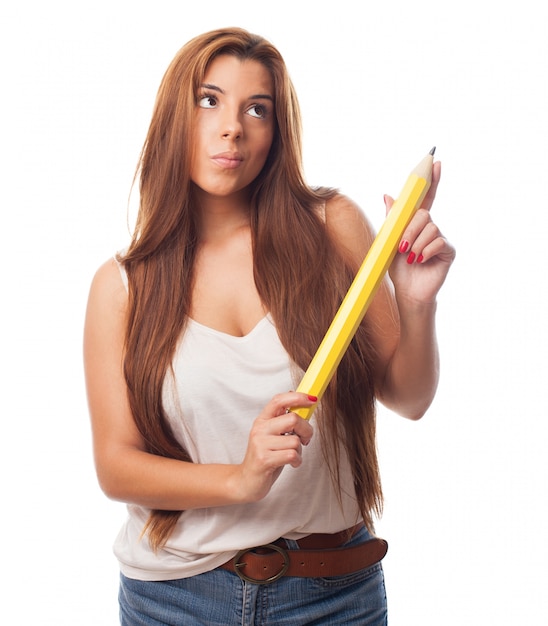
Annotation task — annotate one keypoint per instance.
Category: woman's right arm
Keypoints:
(125, 470)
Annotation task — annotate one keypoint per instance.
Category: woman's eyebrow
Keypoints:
(263, 96)
(212, 87)
(257, 96)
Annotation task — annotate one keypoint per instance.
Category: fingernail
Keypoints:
(403, 246)
(411, 258)
(420, 258)
(312, 398)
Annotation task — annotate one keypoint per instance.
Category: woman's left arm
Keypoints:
(402, 314)
(419, 270)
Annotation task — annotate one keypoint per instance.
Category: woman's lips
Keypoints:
(228, 160)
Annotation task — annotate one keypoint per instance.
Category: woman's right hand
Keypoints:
(275, 440)
(126, 471)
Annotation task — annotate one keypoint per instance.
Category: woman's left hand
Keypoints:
(424, 254)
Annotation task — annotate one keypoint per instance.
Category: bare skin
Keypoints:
(233, 134)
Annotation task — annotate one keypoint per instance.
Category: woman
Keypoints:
(195, 334)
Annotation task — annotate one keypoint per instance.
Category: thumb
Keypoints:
(388, 202)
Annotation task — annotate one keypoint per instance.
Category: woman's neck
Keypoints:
(220, 217)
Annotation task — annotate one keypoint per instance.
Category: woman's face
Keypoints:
(234, 126)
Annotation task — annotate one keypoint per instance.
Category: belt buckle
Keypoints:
(257, 581)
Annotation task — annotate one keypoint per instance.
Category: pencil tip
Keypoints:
(432, 151)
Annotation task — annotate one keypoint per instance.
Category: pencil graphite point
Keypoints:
(433, 150)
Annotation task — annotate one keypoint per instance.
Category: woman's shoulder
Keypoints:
(348, 226)
(111, 271)
(341, 208)
(109, 284)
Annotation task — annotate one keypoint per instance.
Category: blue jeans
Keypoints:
(221, 598)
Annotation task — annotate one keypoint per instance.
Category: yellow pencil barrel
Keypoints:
(364, 286)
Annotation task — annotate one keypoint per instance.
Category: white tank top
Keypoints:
(218, 386)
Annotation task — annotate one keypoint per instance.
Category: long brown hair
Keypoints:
(299, 274)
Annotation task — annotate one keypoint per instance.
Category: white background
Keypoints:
(380, 84)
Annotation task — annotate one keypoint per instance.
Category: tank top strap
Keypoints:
(122, 269)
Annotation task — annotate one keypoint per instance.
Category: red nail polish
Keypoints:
(403, 246)
(312, 398)
(420, 258)
(411, 258)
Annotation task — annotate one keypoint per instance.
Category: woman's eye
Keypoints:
(207, 102)
(257, 110)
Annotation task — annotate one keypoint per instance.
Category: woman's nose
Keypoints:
(231, 125)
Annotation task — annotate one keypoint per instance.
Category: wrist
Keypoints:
(235, 486)
(412, 308)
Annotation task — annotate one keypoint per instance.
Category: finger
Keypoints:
(285, 456)
(282, 449)
(301, 428)
(284, 441)
(438, 247)
(290, 424)
(388, 202)
(423, 240)
(412, 231)
(282, 402)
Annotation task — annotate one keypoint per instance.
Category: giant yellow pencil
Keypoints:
(365, 284)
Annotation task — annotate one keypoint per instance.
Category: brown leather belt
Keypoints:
(319, 555)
